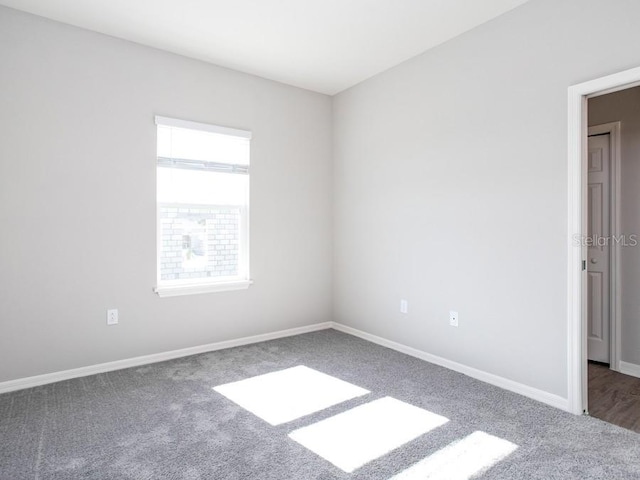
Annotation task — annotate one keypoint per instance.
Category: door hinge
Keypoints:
(584, 265)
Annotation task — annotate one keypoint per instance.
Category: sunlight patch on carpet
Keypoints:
(285, 395)
(461, 460)
(364, 433)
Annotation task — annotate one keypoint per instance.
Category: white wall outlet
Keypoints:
(453, 318)
(404, 306)
(112, 316)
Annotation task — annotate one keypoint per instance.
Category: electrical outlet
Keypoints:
(404, 306)
(112, 316)
(453, 318)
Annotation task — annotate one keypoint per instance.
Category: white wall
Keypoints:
(448, 186)
(77, 199)
(624, 106)
(450, 181)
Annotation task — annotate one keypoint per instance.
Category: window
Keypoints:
(203, 207)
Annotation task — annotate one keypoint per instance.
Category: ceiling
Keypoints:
(321, 45)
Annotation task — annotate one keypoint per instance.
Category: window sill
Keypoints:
(194, 289)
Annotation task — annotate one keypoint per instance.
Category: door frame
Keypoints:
(615, 298)
(578, 96)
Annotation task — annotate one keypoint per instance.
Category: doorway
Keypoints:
(594, 293)
(613, 151)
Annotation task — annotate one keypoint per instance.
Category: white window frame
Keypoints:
(206, 285)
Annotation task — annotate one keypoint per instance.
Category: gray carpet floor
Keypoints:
(164, 421)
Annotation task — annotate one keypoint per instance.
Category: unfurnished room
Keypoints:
(319, 239)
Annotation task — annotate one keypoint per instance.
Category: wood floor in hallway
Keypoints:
(614, 397)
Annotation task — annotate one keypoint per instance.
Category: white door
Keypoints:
(598, 251)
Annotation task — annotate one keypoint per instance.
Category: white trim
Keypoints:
(576, 282)
(615, 292)
(534, 393)
(244, 257)
(577, 117)
(630, 369)
(38, 380)
(196, 288)
(205, 127)
(527, 391)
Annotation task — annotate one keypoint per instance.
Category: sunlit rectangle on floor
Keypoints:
(460, 460)
(362, 434)
(286, 395)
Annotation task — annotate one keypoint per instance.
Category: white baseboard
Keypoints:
(630, 369)
(38, 380)
(534, 393)
(527, 391)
